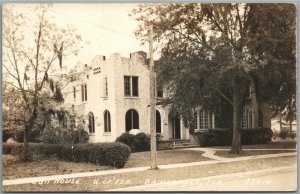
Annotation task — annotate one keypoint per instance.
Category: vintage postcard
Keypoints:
(127, 97)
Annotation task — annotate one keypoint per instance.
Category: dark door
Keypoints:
(176, 128)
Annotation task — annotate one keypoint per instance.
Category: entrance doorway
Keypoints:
(176, 127)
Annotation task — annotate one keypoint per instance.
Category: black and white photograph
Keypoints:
(149, 97)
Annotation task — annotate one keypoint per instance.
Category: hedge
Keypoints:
(222, 137)
(137, 143)
(109, 154)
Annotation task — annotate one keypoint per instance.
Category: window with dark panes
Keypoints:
(91, 125)
(159, 92)
(135, 86)
(107, 125)
(131, 120)
(74, 92)
(84, 92)
(127, 86)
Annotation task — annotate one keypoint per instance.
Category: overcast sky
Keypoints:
(105, 28)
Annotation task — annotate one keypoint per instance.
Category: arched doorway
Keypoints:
(131, 120)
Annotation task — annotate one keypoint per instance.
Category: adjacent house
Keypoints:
(113, 93)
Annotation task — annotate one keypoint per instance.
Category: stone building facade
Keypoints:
(113, 94)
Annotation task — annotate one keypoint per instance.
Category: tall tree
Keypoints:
(218, 50)
(31, 46)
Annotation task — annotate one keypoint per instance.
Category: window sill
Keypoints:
(107, 134)
(92, 134)
(131, 97)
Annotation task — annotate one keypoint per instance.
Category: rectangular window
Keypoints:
(247, 118)
(250, 119)
(211, 120)
(206, 120)
(105, 87)
(195, 120)
(159, 92)
(84, 92)
(135, 86)
(201, 119)
(131, 86)
(74, 92)
(127, 86)
(244, 119)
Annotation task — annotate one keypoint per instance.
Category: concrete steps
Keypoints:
(177, 144)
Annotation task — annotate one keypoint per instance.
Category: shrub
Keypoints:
(51, 135)
(12, 148)
(83, 136)
(292, 135)
(142, 142)
(159, 137)
(283, 134)
(112, 154)
(10, 160)
(137, 143)
(213, 137)
(216, 137)
(7, 133)
(256, 136)
(127, 139)
(68, 136)
(55, 135)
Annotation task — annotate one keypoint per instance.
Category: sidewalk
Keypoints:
(208, 153)
(274, 179)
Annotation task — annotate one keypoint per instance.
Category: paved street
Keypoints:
(275, 179)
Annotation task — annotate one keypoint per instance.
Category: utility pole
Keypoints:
(152, 103)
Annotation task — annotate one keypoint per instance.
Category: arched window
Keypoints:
(158, 122)
(91, 123)
(107, 126)
(131, 120)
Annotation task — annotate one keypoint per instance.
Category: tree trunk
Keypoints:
(254, 105)
(28, 126)
(26, 137)
(236, 147)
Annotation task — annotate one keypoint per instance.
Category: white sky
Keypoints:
(98, 40)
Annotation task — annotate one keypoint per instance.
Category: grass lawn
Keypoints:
(106, 182)
(165, 157)
(287, 144)
(50, 166)
(226, 153)
(12, 170)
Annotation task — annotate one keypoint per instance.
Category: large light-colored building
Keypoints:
(114, 94)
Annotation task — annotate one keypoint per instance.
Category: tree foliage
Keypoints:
(32, 45)
(213, 51)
